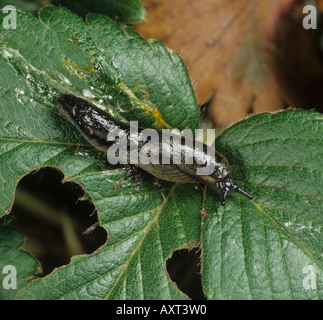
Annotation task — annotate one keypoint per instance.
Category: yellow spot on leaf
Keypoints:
(75, 68)
(145, 105)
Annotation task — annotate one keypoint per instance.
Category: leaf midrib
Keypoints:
(59, 143)
(146, 231)
(125, 265)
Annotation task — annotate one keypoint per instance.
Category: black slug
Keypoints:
(172, 158)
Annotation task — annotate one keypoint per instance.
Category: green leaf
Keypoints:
(250, 249)
(100, 61)
(30, 7)
(125, 11)
(266, 248)
(25, 266)
(112, 66)
(144, 226)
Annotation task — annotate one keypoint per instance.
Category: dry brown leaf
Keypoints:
(239, 52)
(298, 60)
(320, 4)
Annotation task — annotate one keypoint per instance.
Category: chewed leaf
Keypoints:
(112, 66)
(88, 60)
(17, 266)
(259, 248)
(145, 225)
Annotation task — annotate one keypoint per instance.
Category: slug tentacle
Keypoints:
(228, 187)
(97, 125)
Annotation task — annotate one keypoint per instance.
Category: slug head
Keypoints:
(227, 187)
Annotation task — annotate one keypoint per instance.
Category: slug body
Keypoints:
(96, 125)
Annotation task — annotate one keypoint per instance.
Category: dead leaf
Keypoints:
(239, 53)
(320, 4)
(298, 60)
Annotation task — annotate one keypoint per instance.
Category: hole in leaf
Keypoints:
(57, 224)
(184, 269)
